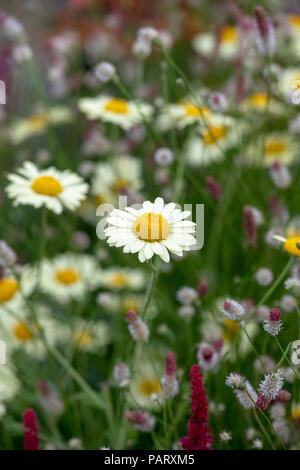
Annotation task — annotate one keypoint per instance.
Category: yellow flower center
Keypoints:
(296, 413)
(292, 246)
(231, 329)
(67, 276)
(149, 386)
(8, 288)
(259, 100)
(47, 185)
(229, 34)
(119, 185)
(22, 332)
(295, 21)
(151, 227)
(194, 111)
(98, 200)
(275, 146)
(117, 105)
(37, 121)
(82, 338)
(214, 134)
(130, 303)
(118, 280)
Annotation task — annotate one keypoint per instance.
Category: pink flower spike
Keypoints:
(30, 430)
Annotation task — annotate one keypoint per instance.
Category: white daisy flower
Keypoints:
(276, 147)
(37, 123)
(90, 336)
(12, 287)
(181, 114)
(228, 42)
(145, 385)
(20, 331)
(212, 141)
(289, 84)
(50, 187)
(69, 276)
(122, 175)
(120, 278)
(9, 383)
(154, 229)
(117, 111)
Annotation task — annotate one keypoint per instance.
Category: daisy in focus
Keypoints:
(118, 111)
(51, 188)
(37, 123)
(155, 229)
(69, 276)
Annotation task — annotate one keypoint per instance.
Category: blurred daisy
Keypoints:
(121, 176)
(38, 123)
(9, 383)
(20, 331)
(12, 287)
(145, 387)
(122, 278)
(228, 42)
(50, 187)
(211, 142)
(69, 276)
(295, 413)
(260, 102)
(154, 229)
(181, 114)
(277, 147)
(117, 111)
(293, 21)
(90, 336)
(289, 84)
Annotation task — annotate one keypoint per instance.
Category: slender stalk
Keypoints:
(287, 358)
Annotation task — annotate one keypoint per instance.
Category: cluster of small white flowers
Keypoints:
(280, 175)
(218, 102)
(186, 311)
(279, 422)
(247, 397)
(271, 384)
(235, 380)
(291, 282)
(288, 303)
(164, 156)
(170, 385)
(137, 328)
(121, 374)
(273, 327)
(257, 444)
(225, 436)
(264, 276)
(142, 46)
(233, 310)
(186, 295)
(105, 71)
(207, 356)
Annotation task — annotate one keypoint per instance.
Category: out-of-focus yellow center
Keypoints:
(292, 246)
(194, 111)
(151, 227)
(231, 329)
(149, 386)
(22, 332)
(117, 105)
(274, 146)
(47, 185)
(118, 280)
(37, 121)
(82, 338)
(296, 413)
(229, 34)
(295, 21)
(258, 100)
(99, 199)
(214, 134)
(120, 184)
(8, 288)
(67, 276)
(130, 303)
